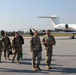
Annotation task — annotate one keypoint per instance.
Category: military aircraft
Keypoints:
(40, 32)
(60, 28)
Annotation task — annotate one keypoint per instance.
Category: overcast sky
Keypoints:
(21, 14)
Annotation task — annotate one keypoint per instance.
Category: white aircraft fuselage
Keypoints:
(65, 27)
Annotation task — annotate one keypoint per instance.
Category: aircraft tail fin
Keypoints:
(54, 19)
(32, 31)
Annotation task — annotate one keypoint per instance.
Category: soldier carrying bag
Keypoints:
(10, 51)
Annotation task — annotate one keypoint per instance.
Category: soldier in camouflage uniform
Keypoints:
(48, 41)
(6, 45)
(16, 45)
(1, 47)
(22, 42)
(36, 50)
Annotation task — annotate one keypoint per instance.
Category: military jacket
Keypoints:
(48, 39)
(35, 44)
(0, 44)
(6, 41)
(16, 43)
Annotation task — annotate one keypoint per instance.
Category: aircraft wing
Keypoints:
(52, 32)
(63, 32)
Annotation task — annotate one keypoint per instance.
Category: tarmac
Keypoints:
(63, 60)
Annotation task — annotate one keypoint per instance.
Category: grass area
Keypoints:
(61, 34)
(28, 35)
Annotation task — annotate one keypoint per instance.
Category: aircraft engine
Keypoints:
(66, 26)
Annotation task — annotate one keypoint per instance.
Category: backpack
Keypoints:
(22, 39)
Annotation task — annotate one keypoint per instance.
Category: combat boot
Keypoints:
(8, 59)
(35, 68)
(48, 67)
(18, 62)
(38, 67)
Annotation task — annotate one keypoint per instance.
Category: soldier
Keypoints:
(22, 42)
(36, 50)
(1, 48)
(48, 41)
(16, 45)
(6, 45)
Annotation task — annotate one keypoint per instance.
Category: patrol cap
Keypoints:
(16, 32)
(48, 30)
(35, 31)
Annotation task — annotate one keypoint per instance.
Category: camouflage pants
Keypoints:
(6, 52)
(48, 56)
(16, 52)
(21, 49)
(0, 55)
(38, 55)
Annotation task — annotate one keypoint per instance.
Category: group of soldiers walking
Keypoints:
(48, 41)
(16, 45)
(36, 48)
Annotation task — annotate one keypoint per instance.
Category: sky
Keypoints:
(22, 14)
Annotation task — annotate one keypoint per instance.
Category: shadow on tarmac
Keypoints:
(65, 55)
(56, 68)
(63, 70)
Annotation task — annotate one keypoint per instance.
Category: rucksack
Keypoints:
(22, 39)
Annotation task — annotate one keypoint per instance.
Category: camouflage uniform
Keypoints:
(22, 42)
(6, 45)
(48, 48)
(36, 49)
(16, 44)
(0, 49)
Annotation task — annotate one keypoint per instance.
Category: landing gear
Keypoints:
(72, 37)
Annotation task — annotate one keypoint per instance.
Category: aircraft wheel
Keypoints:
(72, 37)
